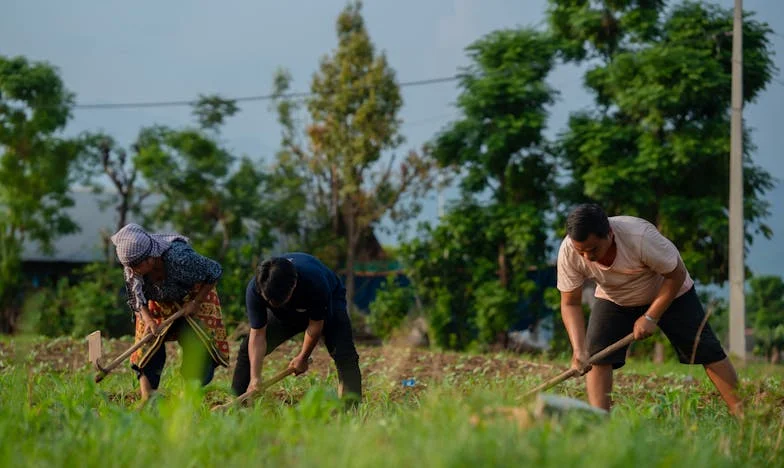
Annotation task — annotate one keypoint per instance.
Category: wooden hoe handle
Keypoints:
(568, 374)
(103, 371)
(250, 396)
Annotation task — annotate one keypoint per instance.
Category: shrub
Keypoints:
(390, 307)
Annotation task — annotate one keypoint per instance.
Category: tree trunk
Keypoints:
(335, 198)
(352, 237)
(503, 270)
(10, 279)
(108, 248)
(124, 207)
(775, 355)
(10, 314)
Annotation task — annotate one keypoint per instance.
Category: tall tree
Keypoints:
(353, 123)
(34, 168)
(496, 233)
(294, 186)
(658, 146)
(499, 142)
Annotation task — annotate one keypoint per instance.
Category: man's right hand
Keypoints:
(150, 326)
(253, 385)
(580, 362)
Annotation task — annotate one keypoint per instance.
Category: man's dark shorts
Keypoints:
(610, 322)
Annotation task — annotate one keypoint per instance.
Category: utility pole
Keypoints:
(737, 290)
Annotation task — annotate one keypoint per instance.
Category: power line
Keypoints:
(262, 97)
(414, 123)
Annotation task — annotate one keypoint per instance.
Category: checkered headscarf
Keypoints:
(134, 244)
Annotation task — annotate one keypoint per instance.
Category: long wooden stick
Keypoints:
(103, 371)
(250, 396)
(622, 343)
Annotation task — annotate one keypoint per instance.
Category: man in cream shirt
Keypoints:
(641, 283)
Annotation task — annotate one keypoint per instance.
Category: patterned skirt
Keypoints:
(207, 322)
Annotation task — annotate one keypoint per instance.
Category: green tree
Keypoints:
(95, 301)
(765, 301)
(765, 307)
(390, 308)
(354, 121)
(446, 263)
(497, 231)
(658, 144)
(34, 169)
(499, 141)
(212, 111)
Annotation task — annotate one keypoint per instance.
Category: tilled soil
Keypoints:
(403, 372)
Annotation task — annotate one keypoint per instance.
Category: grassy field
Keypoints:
(457, 413)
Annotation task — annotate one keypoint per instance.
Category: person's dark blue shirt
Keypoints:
(318, 292)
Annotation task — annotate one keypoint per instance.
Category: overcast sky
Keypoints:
(112, 51)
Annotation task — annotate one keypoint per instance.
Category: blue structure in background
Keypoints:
(530, 309)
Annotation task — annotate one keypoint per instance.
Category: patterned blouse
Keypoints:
(184, 270)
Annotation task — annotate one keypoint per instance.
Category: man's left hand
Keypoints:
(299, 364)
(643, 328)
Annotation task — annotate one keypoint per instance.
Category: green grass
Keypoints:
(664, 416)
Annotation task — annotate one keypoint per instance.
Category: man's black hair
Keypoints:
(275, 278)
(587, 219)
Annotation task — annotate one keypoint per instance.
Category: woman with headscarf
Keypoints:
(163, 274)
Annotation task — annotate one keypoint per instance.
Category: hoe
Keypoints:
(95, 350)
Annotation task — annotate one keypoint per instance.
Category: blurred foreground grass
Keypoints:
(664, 416)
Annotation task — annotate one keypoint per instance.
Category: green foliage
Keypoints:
(488, 246)
(586, 29)
(212, 111)
(96, 302)
(658, 146)
(769, 341)
(218, 200)
(34, 167)
(499, 143)
(454, 272)
(765, 301)
(765, 312)
(390, 307)
(495, 310)
(93, 300)
(443, 262)
(45, 311)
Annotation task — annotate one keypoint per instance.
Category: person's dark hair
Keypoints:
(275, 278)
(587, 219)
